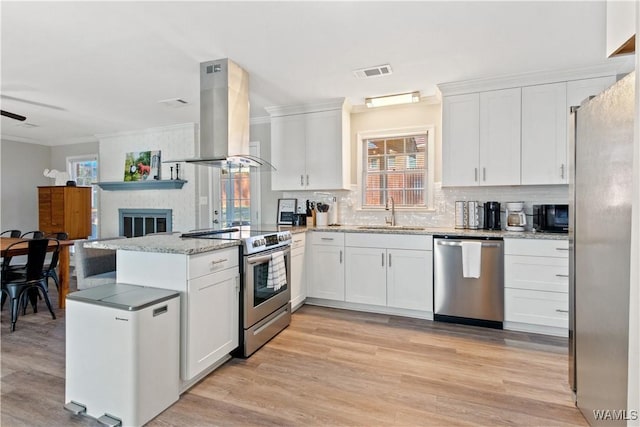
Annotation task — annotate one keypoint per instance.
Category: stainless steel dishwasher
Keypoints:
(471, 300)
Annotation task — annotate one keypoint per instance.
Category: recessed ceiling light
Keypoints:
(401, 98)
(173, 102)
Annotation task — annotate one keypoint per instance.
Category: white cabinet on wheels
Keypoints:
(209, 286)
(326, 266)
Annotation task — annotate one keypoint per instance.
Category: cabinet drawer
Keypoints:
(385, 240)
(209, 262)
(536, 307)
(298, 240)
(327, 238)
(536, 273)
(537, 247)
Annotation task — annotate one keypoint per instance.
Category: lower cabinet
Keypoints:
(537, 285)
(298, 271)
(325, 278)
(380, 271)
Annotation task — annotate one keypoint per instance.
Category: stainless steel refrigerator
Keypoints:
(600, 193)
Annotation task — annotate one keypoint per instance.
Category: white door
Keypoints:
(410, 279)
(365, 276)
(544, 134)
(460, 140)
(288, 152)
(326, 272)
(500, 137)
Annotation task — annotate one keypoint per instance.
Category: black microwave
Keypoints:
(551, 218)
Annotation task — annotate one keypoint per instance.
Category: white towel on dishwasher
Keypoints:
(471, 259)
(277, 276)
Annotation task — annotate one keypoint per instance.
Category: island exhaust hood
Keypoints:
(224, 116)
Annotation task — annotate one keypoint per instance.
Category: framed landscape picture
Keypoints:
(142, 166)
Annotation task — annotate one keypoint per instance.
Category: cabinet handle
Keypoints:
(382, 259)
(297, 241)
(301, 180)
(562, 249)
(561, 311)
(562, 171)
(326, 238)
(389, 260)
(340, 256)
(484, 174)
(219, 261)
(562, 275)
(475, 174)
(307, 180)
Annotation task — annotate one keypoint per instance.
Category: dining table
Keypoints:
(63, 261)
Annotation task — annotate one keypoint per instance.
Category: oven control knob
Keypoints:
(256, 243)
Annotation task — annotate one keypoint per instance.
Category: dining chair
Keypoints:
(36, 234)
(49, 269)
(12, 233)
(17, 285)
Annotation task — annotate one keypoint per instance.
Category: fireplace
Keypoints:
(140, 222)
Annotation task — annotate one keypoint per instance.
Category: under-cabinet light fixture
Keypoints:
(401, 98)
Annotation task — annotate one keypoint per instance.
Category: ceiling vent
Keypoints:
(173, 102)
(377, 71)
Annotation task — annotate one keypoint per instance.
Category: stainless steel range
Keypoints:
(265, 307)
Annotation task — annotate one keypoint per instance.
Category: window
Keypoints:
(235, 183)
(397, 165)
(84, 171)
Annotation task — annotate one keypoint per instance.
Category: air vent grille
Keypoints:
(377, 71)
(174, 102)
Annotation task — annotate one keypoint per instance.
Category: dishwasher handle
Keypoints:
(459, 243)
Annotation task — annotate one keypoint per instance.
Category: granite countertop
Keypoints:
(441, 231)
(164, 243)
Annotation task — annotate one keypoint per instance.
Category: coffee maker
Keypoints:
(492, 216)
(516, 219)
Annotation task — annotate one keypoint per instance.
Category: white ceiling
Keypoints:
(78, 69)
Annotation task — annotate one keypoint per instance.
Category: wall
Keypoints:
(60, 153)
(22, 171)
(174, 142)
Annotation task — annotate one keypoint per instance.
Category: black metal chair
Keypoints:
(36, 234)
(49, 269)
(18, 285)
(12, 233)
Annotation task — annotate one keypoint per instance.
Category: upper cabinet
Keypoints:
(481, 138)
(512, 136)
(544, 134)
(621, 27)
(310, 147)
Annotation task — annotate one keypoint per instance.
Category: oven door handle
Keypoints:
(259, 259)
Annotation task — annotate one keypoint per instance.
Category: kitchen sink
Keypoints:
(389, 227)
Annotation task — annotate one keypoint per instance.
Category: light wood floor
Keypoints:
(328, 368)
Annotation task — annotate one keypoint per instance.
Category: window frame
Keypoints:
(363, 136)
(95, 193)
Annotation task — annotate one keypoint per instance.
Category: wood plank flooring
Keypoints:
(328, 368)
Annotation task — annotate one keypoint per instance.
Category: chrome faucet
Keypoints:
(392, 220)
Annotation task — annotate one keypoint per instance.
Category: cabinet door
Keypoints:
(365, 275)
(410, 279)
(44, 209)
(536, 307)
(324, 150)
(544, 134)
(500, 137)
(77, 212)
(460, 140)
(326, 272)
(288, 152)
(298, 277)
(213, 328)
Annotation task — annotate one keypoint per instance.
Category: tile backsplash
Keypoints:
(443, 212)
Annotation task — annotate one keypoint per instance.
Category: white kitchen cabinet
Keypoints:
(389, 270)
(536, 285)
(461, 139)
(325, 277)
(209, 286)
(481, 138)
(298, 271)
(310, 149)
(500, 137)
(621, 27)
(544, 134)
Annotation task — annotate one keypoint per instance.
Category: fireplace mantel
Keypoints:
(167, 184)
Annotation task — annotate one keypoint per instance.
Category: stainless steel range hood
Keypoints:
(224, 116)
